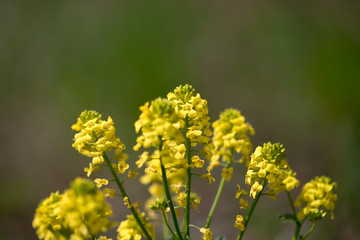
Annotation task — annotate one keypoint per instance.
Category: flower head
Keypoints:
(207, 233)
(96, 137)
(268, 164)
(231, 133)
(130, 230)
(79, 213)
(316, 198)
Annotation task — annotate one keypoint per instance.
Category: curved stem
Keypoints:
(310, 231)
(167, 224)
(124, 194)
(188, 183)
(297, 222)
(168, 196)
(251, 210)
(219, 192)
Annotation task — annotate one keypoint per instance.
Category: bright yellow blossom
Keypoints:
(101, 182)
(316, 198)
(96, 137)
(244, 204)
(130, 230)
(239, 222)
(240, 192)
(208, 176)
(207, 233)
(231, 132)
(79, 213)
(268, 164)
(227, 173)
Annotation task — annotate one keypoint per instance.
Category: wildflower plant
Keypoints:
(176, 146)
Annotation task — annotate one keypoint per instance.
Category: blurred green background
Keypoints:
(292, 68)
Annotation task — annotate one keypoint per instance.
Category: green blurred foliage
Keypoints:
(292, 68)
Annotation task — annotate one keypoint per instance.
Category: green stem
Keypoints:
(252, 208)
(219, 192)
(168, 196)
(124, 194)
(310, 231)
(188, 183)
(297, 222)
(167, 225)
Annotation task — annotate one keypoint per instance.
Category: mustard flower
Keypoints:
(103, 238)
(239, 222)
(231, 132)
(158, 122)
(193, 111)
(208, 176)
(317, 198)
(268, 164)
(207, 233)
(227, 173)
(240, 192)
(130, 230)
(79, 213)
(95, 137)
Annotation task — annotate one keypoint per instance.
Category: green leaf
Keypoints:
(287, 218)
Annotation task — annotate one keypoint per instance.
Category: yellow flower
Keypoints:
(127, 202)
(240, 192)
(208, 176)
(122, 166)
(243, 203)
(130, 230)
(103, 238)
(96, 137)
(207, 233)
(195, 200)
(79, 213)
(231, 132)
(100, 182)
(90, 169)
(227, 173)
(181, 199)
(192, 110)
(316, 198)
(132, 174)
(239, 222)
(268, 164)
(197, 162)
(109, 192)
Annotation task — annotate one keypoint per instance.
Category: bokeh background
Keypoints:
(291, 67)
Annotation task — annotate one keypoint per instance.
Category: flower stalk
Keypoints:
(168, 196)
(251, 210)
(219, 192)
(124, 194)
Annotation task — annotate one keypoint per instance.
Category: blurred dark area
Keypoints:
(291, 67)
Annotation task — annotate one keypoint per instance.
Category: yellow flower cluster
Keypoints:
(95, 137)
(160, 128)
(79, 213)
(231, 133)
(130, 230)
(193, 112)
(317, 197)
(239, 222)
(158, 122)
(207, 233)
(165, 124)
(268, 164)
